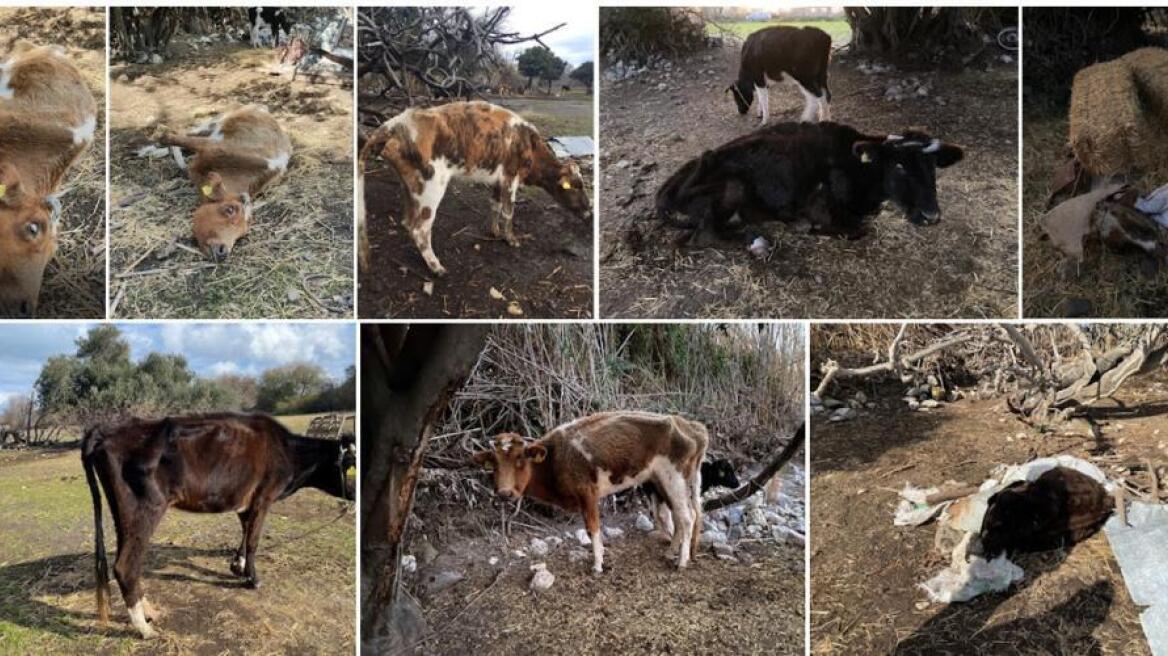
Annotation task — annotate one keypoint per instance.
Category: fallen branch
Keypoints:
(759, 481)
(832, 370)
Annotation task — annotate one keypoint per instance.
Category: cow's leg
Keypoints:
(764, 106)
(592, 525)
(507, 209)
(419, 219)
(664, 517)
(254, 529)
(811, 109)
(497, 210)
(240, 559)
(824, 107)
(696, 488)
(674, 485)
(128, 566)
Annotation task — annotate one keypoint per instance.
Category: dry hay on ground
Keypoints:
(964, 267)
(865, 571)
(297, 260)
(74, 282)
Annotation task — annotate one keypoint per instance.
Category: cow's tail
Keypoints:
(676, 191)
(89, 445)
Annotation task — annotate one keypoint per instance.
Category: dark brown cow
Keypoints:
(581, 462)
(797, 54)
(206, 464)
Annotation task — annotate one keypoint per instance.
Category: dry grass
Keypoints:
(1115, 285)
(74, 282)
(297, 260)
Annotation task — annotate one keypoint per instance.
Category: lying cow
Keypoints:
(575, 465)
(1059, 508)
(834, 173)
(474, 140)
(204, 464)
(799, 55)
(47, 119)
(237, 156)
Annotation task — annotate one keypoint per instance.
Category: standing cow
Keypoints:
(799, 55)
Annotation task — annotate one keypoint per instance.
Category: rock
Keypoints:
(723, 551)
(662, 86)
(759, 248)
(438, 581)
(913, 404)
(622, 164)
(861, 397)
(734, 515)
(843, 414)
(577, 555)
(409, 563)
(754, 530)
(644, 523)
(930, 403)
(612, 532)
(519, 553)
(735, 533)
(543, 579)
(538, 548)
(155, 58)
(582, 537)
(753, 501)
(831, 404)
(772, 517)
(293, 295)
(554, 541)
(493, 560)
(713, 536)
(425, 551)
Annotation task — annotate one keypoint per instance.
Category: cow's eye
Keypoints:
(33, 229)
(229, 210)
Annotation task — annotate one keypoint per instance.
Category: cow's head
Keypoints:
(908, 164)
(511, 459)
(743, 94)
(567, 188)
(28, 239)
(221, 218)
(339, 478)
(719, 473)
(1011, 516)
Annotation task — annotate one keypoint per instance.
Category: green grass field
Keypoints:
(838, 29)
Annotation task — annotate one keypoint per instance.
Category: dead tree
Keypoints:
(447, 52)
(895, 31)
(409, 374)
(137, 33)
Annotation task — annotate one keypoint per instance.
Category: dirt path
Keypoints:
(549, 276)
(74, 282)
(865, 571)
(964, 267)
(306, 561)
(297, 261)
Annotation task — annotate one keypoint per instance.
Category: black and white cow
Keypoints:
(783, 53)
(830, 174)
(265, 25)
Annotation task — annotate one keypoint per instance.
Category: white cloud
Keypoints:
(221, 368)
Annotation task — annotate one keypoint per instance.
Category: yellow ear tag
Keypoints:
(865, 157)
(3, 190)
(565, 184)
(206, 189)
(488, 465)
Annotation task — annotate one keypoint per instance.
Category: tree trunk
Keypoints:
(409, 374)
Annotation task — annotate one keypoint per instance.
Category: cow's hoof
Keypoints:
(439, 271)
(253, 583)
(147, 633)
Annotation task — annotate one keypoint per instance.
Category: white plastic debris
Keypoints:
(913, 510)
(1155, 205)
(760, 247)
(582, 537)
(1143, 560)
(493, 560)
(644, 523)
(543, 579)
(518, 553)
(966, 580)
(612, 532)
(539, 548)
(409, 563)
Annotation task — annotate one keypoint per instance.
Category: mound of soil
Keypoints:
(966, 266)
(865, 571)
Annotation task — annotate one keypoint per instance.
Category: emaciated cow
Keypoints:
(47, 119)
(575, 465)
(205, 464)
(829, 173)
(237, 156)
(474, 140)
(799, 55)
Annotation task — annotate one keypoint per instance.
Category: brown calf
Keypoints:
(237, 155)
(205, 464)
(475, 140)
(47, 119)
(581, 462)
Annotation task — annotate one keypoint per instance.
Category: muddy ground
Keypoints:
(865, 571)
(306, 561)
(297, 260)
(550, 275)
(74, 282)
(966, 266)
(641, 604)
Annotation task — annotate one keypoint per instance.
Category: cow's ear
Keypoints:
(212, 188)
(485, 459)
(866, 151)
(537, 452)
(949, 154)
(10, 193)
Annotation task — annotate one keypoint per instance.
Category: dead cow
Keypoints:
(237, 156)
(474, 140)
(204, 464)
(577, 464)
(47, 119)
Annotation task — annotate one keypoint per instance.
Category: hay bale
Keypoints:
(1112, 130)
(1149, 67)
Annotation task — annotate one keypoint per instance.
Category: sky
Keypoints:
(210, 348)
(572, 42)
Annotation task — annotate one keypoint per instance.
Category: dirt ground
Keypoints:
(641, 604)
(966, 266)
(297, 260)
(550, 275)
(865, 571)
(306, 562)
(74, 282)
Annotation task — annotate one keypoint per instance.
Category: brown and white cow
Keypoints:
(47, 119)
(577, 464)
(474, 140)
(205, 464)
(237, 156)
